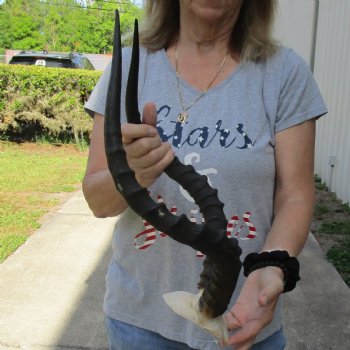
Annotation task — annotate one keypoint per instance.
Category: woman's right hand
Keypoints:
(146, 154)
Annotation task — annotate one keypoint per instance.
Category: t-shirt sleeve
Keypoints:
(299, 99)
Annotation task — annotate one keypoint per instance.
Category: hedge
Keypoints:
(45, 103)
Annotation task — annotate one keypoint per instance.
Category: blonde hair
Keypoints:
(251, 36)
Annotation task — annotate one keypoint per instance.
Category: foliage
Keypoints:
(30, 175)
(38, 102)
(336, 227)
(346, 207)
(319, 184)
(331, 227)
(339, 256)
(63, 25)
(320, 209)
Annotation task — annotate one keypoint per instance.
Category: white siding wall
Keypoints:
(327, 50)
(332, 71)
(294, 27)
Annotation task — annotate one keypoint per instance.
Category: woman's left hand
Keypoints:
(255, 306)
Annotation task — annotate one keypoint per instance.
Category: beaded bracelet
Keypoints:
(289, 265)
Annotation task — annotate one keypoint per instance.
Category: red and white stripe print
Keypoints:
(252, 230)
(149, 239)
(231, 225)
(234, 221)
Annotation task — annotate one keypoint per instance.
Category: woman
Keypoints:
(242, 110)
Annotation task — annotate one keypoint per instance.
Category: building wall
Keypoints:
(294, 27)
(319, 30)
(332, 70)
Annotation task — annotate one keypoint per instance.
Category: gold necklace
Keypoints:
(182, 117)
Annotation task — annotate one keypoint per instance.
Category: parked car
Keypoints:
(56, 60)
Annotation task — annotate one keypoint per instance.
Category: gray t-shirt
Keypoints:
(229, 136)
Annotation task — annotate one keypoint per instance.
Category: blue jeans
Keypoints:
(123, 336)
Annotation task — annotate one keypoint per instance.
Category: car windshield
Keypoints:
(43, 61)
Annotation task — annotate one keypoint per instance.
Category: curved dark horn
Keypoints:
(131, 103)
(222, 264)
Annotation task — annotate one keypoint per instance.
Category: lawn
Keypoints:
(32, 179)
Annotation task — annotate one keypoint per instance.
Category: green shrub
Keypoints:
(45, 103)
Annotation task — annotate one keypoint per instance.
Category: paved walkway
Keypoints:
(51, 290)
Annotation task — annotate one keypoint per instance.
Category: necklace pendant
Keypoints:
(182, 117)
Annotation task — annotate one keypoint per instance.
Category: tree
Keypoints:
(102, 21)
(63, 25)
(22, 28)
(6, 38)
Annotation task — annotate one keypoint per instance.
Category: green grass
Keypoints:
(320, 210)
(333, 226)
(39, 171)
(339, 256)
(346, 207)
(336, 227)
(30, 175)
